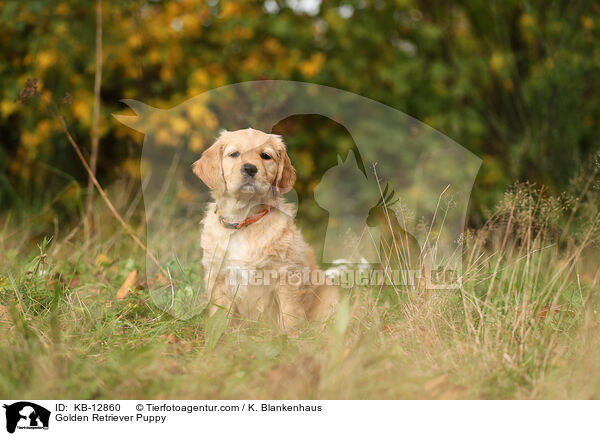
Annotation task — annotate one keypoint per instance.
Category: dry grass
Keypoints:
(523, 325)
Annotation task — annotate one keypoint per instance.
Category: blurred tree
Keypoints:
(515, 82)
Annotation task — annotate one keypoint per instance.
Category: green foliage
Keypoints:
(514, 82)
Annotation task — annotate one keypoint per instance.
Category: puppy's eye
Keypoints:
(265, 156)
(234, 154)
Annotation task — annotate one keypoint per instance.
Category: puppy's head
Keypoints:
(246, 163)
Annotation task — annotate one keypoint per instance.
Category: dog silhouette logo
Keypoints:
(26, 415)
(345, 237)
(429, 174)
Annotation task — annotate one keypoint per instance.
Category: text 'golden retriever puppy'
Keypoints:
(257, 265)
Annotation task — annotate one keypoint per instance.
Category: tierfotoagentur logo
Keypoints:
(25, 415)
(396, 197)
(345, 278)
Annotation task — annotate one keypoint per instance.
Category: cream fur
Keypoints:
(272, 246)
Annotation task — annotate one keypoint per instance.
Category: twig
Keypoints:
(103, 194)
(95, 120)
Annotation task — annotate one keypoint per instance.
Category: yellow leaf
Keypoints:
(7, 107)
(62, 9)
(200, 78)
(497, 61)
(44, 127)
(273, 46)
(102, 258)
(210, 120)
(167, 74)
(195, 112)
(135, 40)
(45, 59)
(180, 125)
(132, 167)
(196, 144)
(252, 64)
(231, 9)
(154, 56)
(587, 23)
(82, 110)
(164, 137)
(527, 20)
(313, 65)
(30, 140)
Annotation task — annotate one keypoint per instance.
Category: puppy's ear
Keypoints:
(209, 167)
(286, 174)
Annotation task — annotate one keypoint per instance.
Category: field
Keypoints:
(523, 326)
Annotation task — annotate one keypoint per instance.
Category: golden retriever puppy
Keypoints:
(257, 265)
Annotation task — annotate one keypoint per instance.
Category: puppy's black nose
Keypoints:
(249, 169)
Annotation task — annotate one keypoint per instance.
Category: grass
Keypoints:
(522, 326)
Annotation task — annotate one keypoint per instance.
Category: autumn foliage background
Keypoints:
(516, 83)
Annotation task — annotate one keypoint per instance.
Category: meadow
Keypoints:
(522, 326)
(515, 83)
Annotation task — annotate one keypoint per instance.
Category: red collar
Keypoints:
(244, 223)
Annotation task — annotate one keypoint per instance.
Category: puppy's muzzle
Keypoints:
(249, 170)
